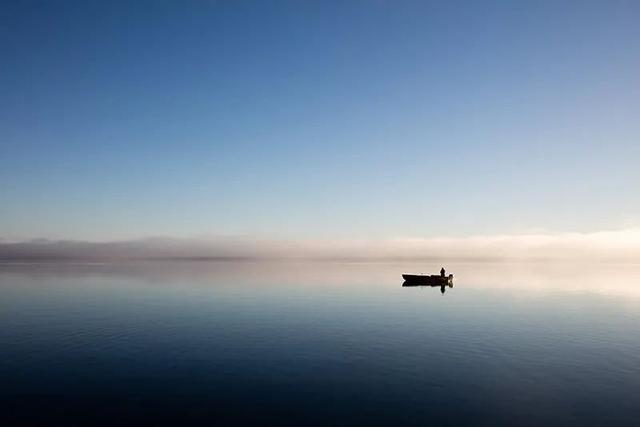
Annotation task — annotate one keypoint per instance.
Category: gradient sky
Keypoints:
(298, 119)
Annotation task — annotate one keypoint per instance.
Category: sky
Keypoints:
(318, 120)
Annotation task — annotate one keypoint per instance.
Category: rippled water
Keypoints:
(321, 343)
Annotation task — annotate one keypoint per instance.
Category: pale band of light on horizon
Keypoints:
(620, 245)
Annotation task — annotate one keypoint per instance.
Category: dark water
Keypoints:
(229, 343)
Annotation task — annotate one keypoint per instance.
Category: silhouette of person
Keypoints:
(442, 272)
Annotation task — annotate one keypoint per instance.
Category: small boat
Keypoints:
(426, 280)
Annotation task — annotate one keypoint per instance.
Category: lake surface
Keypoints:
(324, 343)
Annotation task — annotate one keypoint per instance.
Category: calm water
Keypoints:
(318, 343)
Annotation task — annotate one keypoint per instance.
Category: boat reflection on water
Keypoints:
(431, 281)
(409, 283)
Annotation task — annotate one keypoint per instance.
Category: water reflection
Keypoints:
(317, 344)
(407, 284)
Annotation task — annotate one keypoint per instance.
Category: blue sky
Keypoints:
(295, 120)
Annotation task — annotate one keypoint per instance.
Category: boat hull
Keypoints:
(423, 280)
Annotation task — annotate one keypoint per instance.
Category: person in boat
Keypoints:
(442, 272)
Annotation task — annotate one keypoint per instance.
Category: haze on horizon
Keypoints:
(330, 127)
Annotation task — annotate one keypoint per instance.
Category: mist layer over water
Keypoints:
(318, 343)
